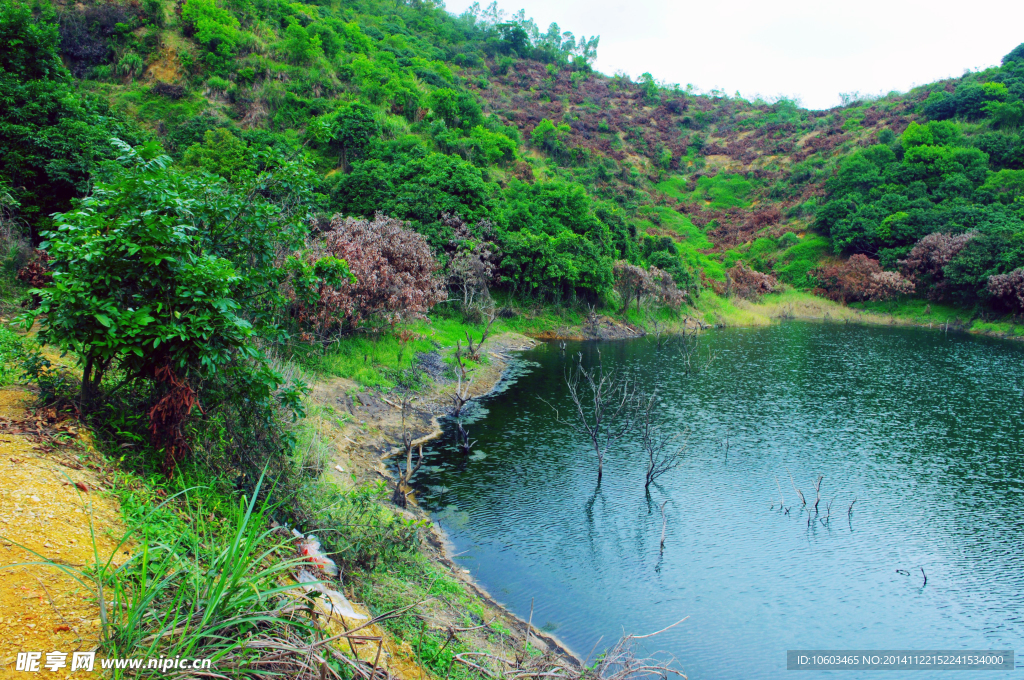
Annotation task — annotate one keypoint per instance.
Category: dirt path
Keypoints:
(44, 508)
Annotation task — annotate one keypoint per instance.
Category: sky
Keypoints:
(801, 49)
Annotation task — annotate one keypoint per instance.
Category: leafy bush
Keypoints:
(164, 280)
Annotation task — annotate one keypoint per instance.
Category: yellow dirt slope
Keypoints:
(43, 508)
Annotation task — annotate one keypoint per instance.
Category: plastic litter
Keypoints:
(310, 549)
(336, 601)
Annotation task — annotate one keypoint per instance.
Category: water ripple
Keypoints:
(923, 429)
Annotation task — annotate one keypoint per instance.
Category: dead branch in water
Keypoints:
(817, 490)
(798, 491)
(462, 435)
(405, 476)
(663, 523)
(658, 444)
(603, 405)
(460, 397)
(688, 346)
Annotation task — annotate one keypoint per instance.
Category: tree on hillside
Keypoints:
(632, 282)
(167, 277)
(351, 132)
(51, 136)
(394, 276)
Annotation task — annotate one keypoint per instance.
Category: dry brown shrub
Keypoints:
(767, 215)
(861, 278)
(1008, 289)
(748, 283)
(36, 272)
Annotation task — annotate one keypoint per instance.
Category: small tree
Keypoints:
(748, 283)
(666, 289)
(602, 406)
(473, 263)
(141, 283)
(394, 270)
(351, 131)
(631, 282)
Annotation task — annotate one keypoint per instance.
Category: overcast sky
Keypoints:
(807, 49)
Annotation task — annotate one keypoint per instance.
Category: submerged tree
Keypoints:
(603, 406)
(661, 448)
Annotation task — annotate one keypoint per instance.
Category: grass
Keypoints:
(664, 219)
(412, 579)
(385, 360)
(12, 352)
(924, 313)
(197, 584)
(721, 191)
(795, 263)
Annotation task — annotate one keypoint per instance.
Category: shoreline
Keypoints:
(375, 433)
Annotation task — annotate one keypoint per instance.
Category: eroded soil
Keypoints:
(55, 510)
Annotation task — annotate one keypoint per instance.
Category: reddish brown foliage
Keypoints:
(36, 273)
(666, 289)
(748, 283)
(394, 268)
(861, 278)
(631, 282)
(473, 261)
(1008, 289)
(767, 215)
(634, 282)
(928, 257)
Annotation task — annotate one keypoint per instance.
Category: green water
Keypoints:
(924, 429)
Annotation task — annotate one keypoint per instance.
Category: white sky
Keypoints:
(807, 49)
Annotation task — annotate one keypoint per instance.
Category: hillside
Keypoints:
(220, 211)
(413, 112)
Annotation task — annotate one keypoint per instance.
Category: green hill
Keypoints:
(405, 109)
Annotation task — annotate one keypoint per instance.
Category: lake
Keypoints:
(924, 429)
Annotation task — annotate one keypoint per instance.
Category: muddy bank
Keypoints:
(367, 428)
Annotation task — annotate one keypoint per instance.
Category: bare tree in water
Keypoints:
(662, 449)
(603, 405)
(403, 487)
(689, 347)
